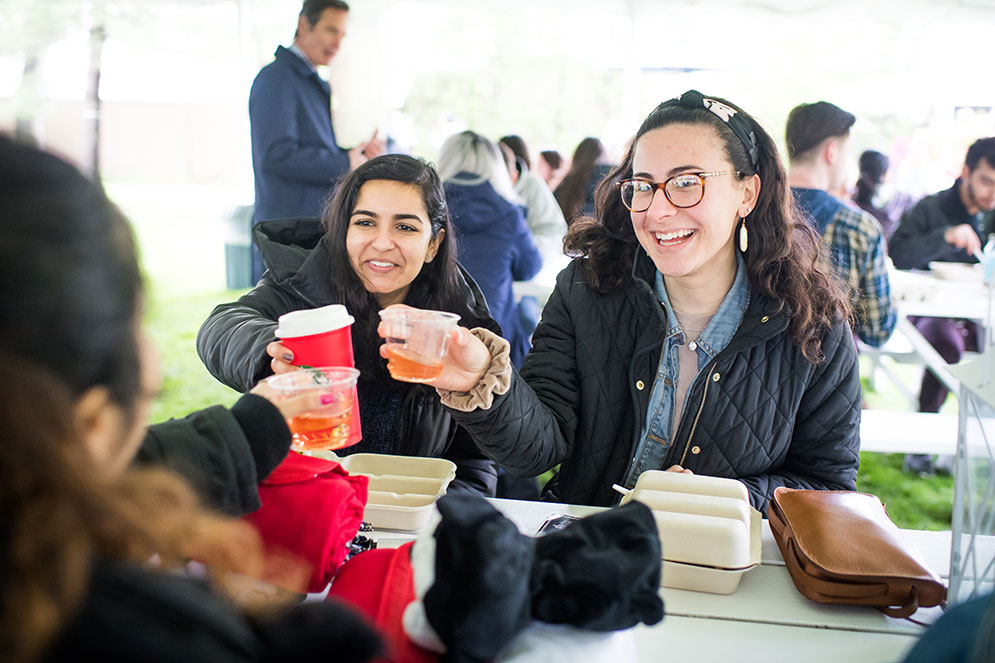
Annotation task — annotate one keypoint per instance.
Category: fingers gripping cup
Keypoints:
(416, 342)
(322, 337)
(326, 425)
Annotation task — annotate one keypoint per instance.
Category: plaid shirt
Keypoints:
(857, 250)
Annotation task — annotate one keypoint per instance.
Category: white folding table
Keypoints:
(766, 619)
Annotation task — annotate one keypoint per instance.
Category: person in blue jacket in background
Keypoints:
(295, 157)
(493, 240)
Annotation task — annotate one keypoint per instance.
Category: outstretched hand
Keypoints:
(963, 237)
(292, 406)
(465, 363)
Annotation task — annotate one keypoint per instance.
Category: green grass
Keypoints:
(912, 501)
(172, 321)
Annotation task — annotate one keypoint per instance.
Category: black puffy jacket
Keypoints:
(232, 344)
(759, 412)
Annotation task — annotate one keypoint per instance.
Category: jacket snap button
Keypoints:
(764, 319)
(696, 449)
(640, 385)
(715, 377)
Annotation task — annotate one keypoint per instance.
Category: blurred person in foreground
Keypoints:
(295, 156)
(99, 555)
(819, 145)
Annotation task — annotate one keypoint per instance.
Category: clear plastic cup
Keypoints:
(328, 425)
(322, 337)
(416, 342)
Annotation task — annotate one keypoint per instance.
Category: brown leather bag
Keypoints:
(841, 547)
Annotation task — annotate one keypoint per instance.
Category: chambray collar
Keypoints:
(723, 325)
(296, 50)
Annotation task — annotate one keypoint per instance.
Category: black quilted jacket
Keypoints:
(232, 344)
(760, 412)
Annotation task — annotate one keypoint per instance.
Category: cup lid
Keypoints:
(313, 321)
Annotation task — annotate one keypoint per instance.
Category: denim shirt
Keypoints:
(655, 437)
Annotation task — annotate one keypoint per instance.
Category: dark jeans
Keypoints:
(951, 338)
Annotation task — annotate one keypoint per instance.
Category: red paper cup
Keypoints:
(322, 337)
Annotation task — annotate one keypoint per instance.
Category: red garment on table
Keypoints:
(311, 508)
(380, 583)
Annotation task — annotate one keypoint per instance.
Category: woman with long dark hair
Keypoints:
(96, 553)
(385, 238)
(575, 192)
(699, 330)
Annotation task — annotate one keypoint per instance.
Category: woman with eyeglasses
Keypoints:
(699, 330)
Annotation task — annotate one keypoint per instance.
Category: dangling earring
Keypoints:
(744, 240)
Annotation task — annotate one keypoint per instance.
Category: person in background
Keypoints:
(818, 141)
(873, 169)
(385, 238)
(518, 147)
(295, 156)
(575, 193)
(542, 212)
(494, 241)
(948, 226)
(550, 168)
(697, 331)
(875, 194)
(96, 551)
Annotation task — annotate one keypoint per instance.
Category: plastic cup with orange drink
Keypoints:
(416, 342)
(326, 426)
(322, 337)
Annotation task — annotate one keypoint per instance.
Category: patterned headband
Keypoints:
(739, 126)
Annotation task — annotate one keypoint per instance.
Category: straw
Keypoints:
(620, 489)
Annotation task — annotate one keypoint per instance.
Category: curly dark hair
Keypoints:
(785, 261)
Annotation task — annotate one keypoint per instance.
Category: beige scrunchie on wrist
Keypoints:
(496, 381)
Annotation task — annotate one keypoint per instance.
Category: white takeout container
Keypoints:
(402, 489)
(709, 533)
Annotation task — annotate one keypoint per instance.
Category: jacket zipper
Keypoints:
(701, 406)
(302, 295)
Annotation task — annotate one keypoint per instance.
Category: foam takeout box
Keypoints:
(402, 489)
(709, 533)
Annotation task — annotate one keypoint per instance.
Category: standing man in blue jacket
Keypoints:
(295, 158)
